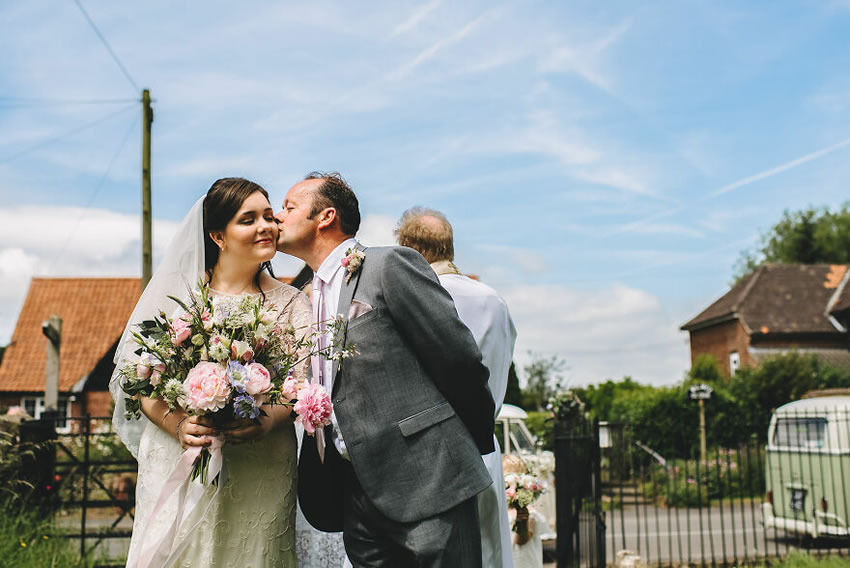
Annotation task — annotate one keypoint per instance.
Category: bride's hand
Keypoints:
(245, 430)
(195, 431)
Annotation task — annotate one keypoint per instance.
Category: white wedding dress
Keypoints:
(250, 522)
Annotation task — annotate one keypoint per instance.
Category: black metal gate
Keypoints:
(580, 519)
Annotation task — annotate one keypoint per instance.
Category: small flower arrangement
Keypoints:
(225, 357)
(565, 404)
(352, 261)
(522, 489)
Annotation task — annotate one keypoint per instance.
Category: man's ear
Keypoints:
(327, 217)
(218, 238)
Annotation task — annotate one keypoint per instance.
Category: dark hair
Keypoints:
(221, 204)
(434, 243)
(335, 192)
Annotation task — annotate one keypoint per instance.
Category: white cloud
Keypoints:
(67, 241)
(609, 333)
(415, 17)
(528, 260)
(377, 230)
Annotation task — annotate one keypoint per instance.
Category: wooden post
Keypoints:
(703, 454)
(147, 232)
(52, 329)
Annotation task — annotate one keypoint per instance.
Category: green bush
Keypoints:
(542, 426)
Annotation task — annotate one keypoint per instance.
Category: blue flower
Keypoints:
(237, 374)
(244, 406)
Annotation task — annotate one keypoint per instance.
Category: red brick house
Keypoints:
(776, 309)
(94, 312)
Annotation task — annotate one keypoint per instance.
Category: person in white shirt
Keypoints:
(485, 313)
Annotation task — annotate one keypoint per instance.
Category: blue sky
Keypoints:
(603, 163)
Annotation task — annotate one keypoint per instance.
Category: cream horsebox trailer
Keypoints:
(807, 467)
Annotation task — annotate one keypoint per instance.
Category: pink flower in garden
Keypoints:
(259, 379)
(313, 408)
(242, 350)
(182, 331)
(206, 388)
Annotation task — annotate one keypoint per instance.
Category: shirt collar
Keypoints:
(333, 262)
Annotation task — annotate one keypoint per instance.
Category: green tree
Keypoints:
(513, 394)
(542, 380)
(599, 399)
(777, 381)
(2, 351)
(807, 237)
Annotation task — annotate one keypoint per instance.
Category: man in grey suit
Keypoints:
(399, 469)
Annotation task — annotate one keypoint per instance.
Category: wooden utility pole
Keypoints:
(52, 329)
(701, 393)
(147, 232)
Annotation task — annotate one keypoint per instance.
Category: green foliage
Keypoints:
(542, 380)
(599, 399)
(809, 236)
(542, 426)
(28, 541)
(513, 394)
(777, 381)
(727, 474)
(2, 351)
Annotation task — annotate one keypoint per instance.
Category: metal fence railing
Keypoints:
(735, 505)
(87, 477)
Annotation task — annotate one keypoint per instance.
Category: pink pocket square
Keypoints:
(358, 309)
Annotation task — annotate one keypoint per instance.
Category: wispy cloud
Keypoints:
(781, 168)
(405, 69)
(415, 17)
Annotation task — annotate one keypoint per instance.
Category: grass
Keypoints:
(798, 559)
(26, 542)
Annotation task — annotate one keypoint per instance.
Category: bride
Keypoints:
(227, 239)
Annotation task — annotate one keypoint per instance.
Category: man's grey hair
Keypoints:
(433, 237)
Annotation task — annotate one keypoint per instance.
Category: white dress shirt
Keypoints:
(332, 275)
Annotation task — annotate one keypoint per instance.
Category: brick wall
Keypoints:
(721, 340)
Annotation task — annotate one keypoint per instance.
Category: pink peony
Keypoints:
(292, 386)
(182, 331)
(510, 492)
(259, 379)
(313, 407)
(242, 350)
(206, 388)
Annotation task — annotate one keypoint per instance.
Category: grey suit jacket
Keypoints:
(412, 405)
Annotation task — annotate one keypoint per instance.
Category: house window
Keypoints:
(734, 362)
(35, 406)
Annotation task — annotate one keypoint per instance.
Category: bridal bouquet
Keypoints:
(225, 357)
(521, 490)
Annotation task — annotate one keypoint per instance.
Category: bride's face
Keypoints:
(251, 234)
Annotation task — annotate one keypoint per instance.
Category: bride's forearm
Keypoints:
(158, 412)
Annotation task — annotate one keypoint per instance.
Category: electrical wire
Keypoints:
(76, 130)
(106, 44)
(98, 187)
(6, 102)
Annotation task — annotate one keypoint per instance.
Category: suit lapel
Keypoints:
(346, 294)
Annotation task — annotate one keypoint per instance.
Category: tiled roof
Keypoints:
(779, 298)
(94, 312)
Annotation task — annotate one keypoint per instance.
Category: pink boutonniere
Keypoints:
(351, 261)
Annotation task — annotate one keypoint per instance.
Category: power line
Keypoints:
(99, 185)
(29, 101)
(106, 44)
(76, 130)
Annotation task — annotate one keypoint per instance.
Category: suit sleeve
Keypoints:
(425, 315)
